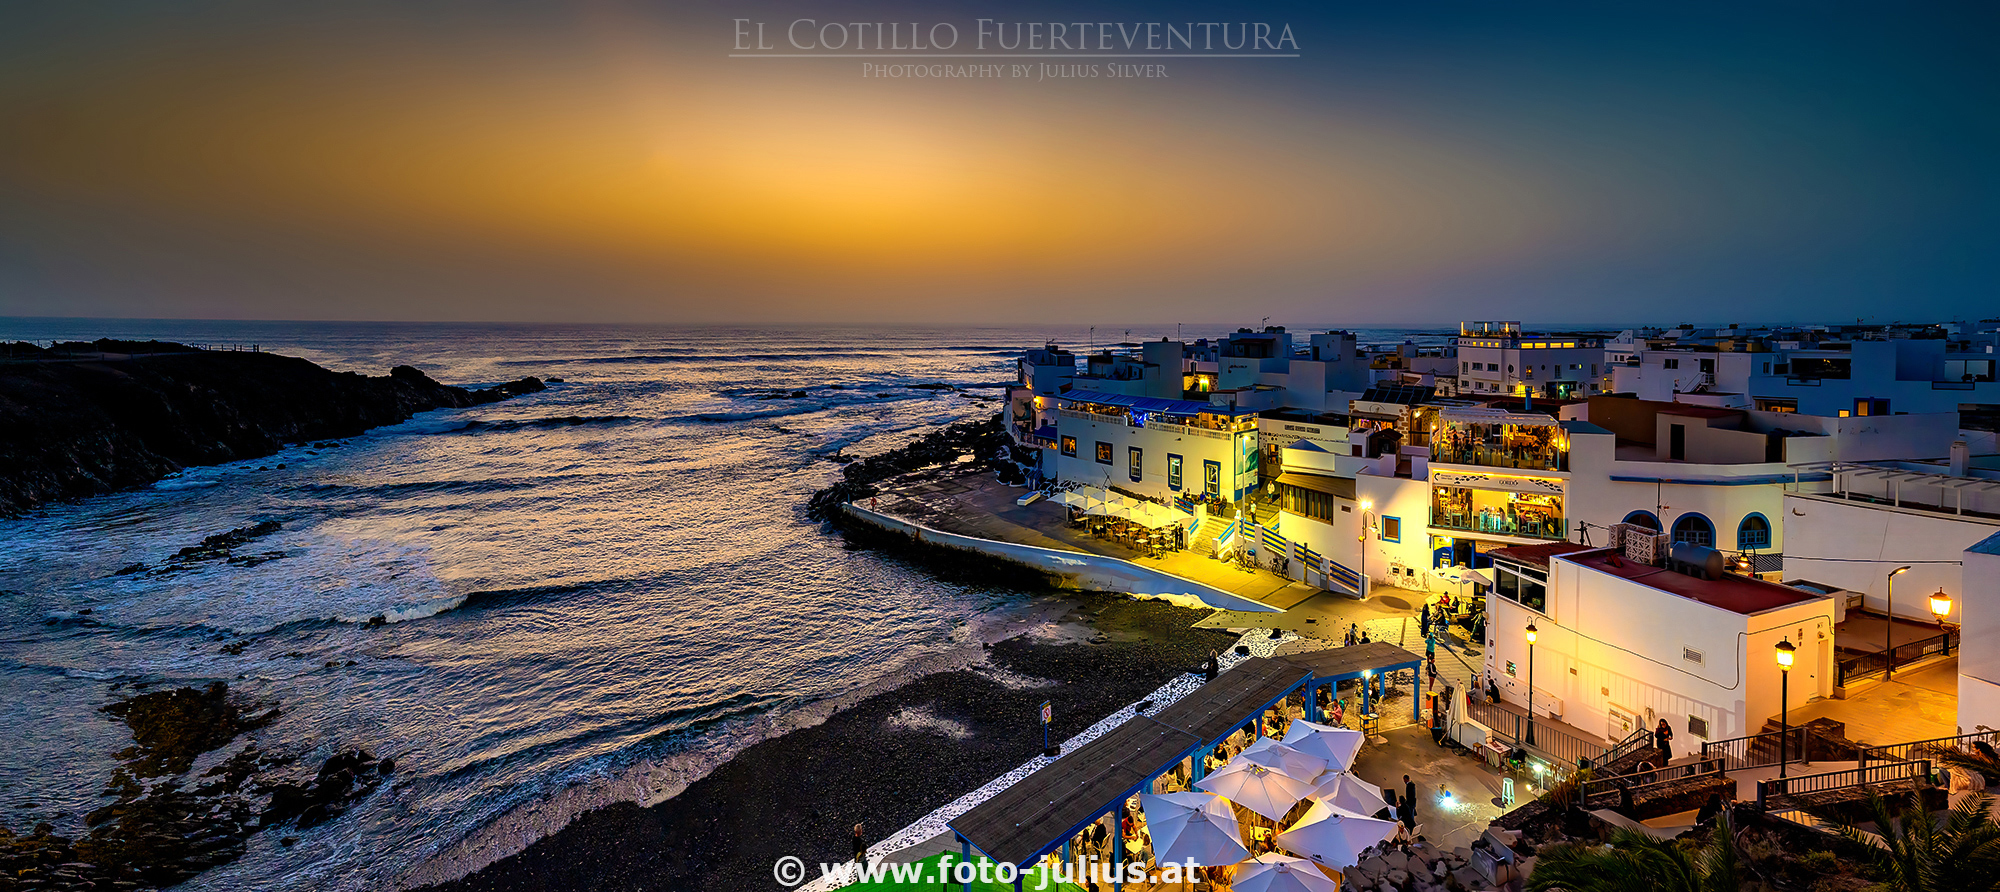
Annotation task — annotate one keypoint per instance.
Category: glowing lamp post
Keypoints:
(1941, 608)
(1529, 737)
(1889, 630)
(1785, 652)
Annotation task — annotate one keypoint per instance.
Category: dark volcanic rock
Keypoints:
(985, 440)
(78, 425)
(171, 728)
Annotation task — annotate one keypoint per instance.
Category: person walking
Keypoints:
(1663, 736)
(860, 846)
(1214, 663)
(1424, 621)
(1410, 801)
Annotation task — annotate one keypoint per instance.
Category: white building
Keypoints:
(1498, 358)
(1158, 448)
(1621, 643)
(1979, 657)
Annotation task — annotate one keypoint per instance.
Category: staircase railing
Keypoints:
(1802, 784)
(1904, 752)
(1756, 749)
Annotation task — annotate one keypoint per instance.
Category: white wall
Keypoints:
(1157, 442)
(1403, 498)
(1854, 545)
(1625, 642)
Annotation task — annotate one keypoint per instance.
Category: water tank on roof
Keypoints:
(1698, 560)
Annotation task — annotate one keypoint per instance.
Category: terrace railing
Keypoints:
(1757, 749)
(1552, 742)
(1633, 742)
(1917, 772)
(1921, 749)
(1641, 781)
(1859, 666)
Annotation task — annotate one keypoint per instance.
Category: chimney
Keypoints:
(1961, 457)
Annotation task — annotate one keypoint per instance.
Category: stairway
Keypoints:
(1203, 542)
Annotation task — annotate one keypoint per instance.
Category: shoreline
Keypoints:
(888, 760)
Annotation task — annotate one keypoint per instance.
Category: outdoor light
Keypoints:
(1785, 649)
(1940, 604)
(1529, 736)
(1531, 633)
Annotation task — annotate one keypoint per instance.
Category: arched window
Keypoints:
(1695, 529)
(1753, 532)
(1644, 519)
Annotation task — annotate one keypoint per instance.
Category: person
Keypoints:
(1625, 799)
(1430, 648)
(1353, 634)
(1389, 797)
(1432, 666)
(1479, 626)
(1364, 637)
(1492, 690)
(1410, 795)
(1214, 663)
(1663, 736)
(1424, 621)
(860, 846)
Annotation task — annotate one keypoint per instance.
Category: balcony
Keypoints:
(1520, 457)
(1501, 523)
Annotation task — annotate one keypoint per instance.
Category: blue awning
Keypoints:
(1154, 404)
(1045, 432)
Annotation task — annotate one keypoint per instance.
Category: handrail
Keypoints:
(1644, 780)
(1742, 752)
(1632, 743)
(1848, 778)
(1901, 752)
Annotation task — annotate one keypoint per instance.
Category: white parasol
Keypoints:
(1192, 826)
(1336, 745)
(1279, 873)
(1271, 754)
(1257, 788)
(1333, 837)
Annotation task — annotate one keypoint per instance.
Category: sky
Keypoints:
(605, 161)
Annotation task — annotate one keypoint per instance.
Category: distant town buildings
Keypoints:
(1810, 461)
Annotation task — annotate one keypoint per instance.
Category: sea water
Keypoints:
(591, 594)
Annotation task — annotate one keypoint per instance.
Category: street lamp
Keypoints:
(1529, 738)
(1941, 608)
(1889, 630)
(1785, 649)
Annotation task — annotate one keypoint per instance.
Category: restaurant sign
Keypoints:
(1505, 482)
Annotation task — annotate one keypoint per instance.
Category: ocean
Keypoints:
(591, 594)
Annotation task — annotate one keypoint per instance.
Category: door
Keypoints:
(1677, 442)
(1211, 474)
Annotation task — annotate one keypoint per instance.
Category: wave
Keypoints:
(550, 423)
(420, 486)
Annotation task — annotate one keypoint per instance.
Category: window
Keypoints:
(1643, 519)
(1173, 471)
(1133, 456)
(1069, 446)
(1670, 364)
(1777, 404)
(1694, 529)
(1306, 502)
(1464, 367)
(1103, 453)
(1753, 532)
(1211, 477)
(1527, 586)
(1392, 529)
(1510, 669)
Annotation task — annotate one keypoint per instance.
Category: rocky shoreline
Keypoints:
(169, 821)
(85, 419)
(885, 762)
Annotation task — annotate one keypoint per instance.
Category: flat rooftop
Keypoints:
(1537, 555)
(1740, 594)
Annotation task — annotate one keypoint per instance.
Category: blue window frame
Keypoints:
(1644, 519)
(1392, 529)
(1135, 459)
(1211, 477)
(1174, 463)
(1695, 530)
(1753, 532)
(1103, 453)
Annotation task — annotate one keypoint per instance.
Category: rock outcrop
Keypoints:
(76, 423)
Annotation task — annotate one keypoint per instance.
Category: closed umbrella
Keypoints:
(1333, 837)
(1274, 755)
(1348, 793)
(1194, 827)
(1262, 790)
(1336, 745)
(1278, 873)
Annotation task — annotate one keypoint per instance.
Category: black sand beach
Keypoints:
(886, 762)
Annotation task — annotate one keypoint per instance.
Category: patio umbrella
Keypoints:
(1278, 873)
(1257, 788)
(1349, 793)
(1334, 744)
(1333, 837)
(1071, 500)
(1277, 756)
(1194, 827)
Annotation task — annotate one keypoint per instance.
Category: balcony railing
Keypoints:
(1501, 524)
(1501, 457)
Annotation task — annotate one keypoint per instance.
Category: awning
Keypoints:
(1485, 415)
(1338, 487)
(1045, 432)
